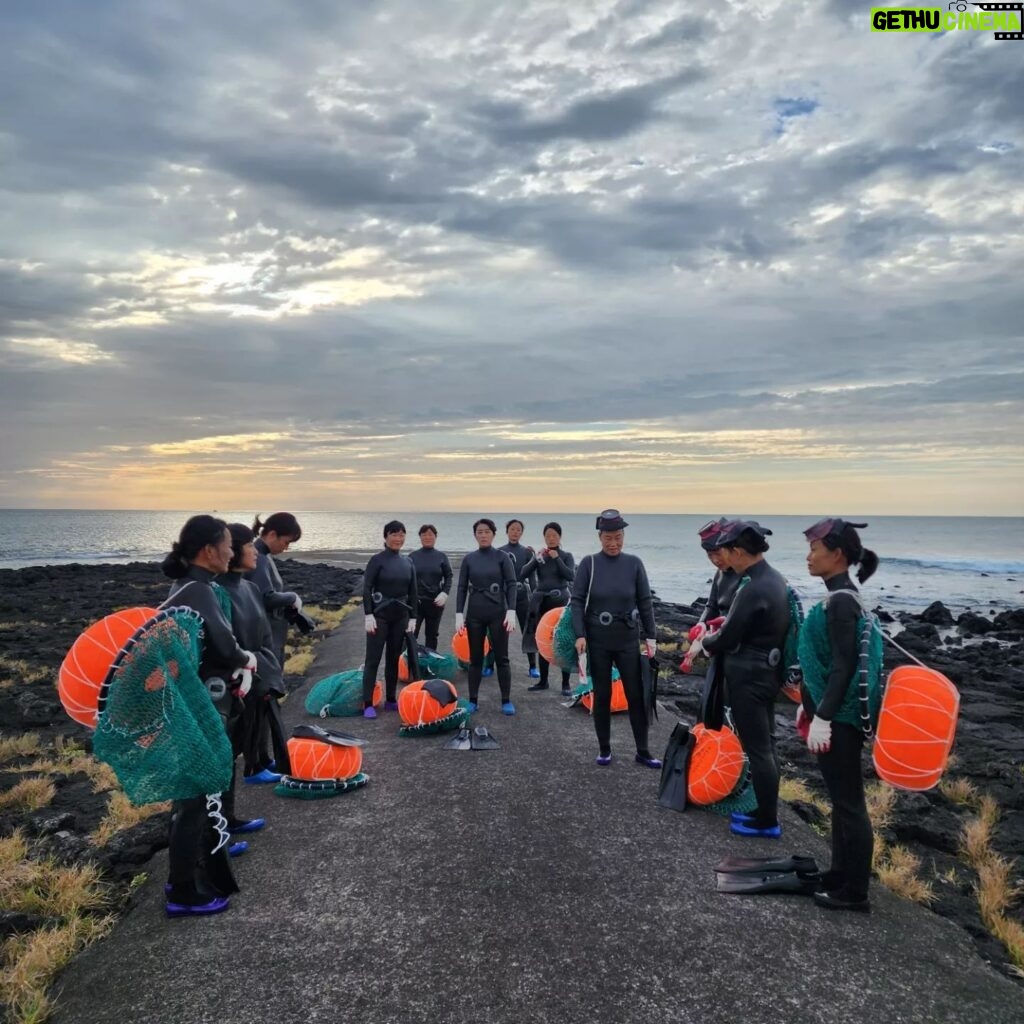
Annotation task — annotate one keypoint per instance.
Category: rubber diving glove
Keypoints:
(460, 623)
(297, 603)
(819, 737)
(441, 599)
(371, 624)
(411, 628)
(242, 678)
(510, 621)
(251, 660)
(696, 649)
(652, 647)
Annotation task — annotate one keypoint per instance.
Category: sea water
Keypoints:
(965, 562)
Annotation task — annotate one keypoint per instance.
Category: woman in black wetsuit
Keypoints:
(723, 586)
(275, 536)
(611, 602)
(389, 603)
(433, 583)
(553, 570)
(752, 640)
(485, 605)
(830, 702)
(521, 556)
(251, 627)
(200, 878)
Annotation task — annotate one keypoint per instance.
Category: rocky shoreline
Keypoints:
(43, 609)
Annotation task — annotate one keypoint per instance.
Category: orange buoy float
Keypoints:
(460, 646)
(716, 764)
(87, 663)
(316, 761)
(426, 701)
(792, 691)
(545, 633)
(619, 702)
(916, 727)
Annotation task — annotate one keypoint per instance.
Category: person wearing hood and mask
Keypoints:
(612, 614)
(725, 582)
(829, 663)
(752, 640)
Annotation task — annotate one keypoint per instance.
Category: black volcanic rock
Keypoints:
(937, 614)
(973, 624)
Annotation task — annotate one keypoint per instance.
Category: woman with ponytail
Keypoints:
(831, 704)
(200, 879)
(273, 538)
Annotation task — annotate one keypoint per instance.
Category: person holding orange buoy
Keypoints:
(199, 878)
(751, 642)
(553, 570)
(831, 707)
(611, 602)
(389, 604)
(485, 605)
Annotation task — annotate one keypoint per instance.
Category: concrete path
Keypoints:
(519, 885)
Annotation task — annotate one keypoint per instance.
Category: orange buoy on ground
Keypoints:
(916, 727)
(716, 764)
(426, 701)
(460, 646)
(87, 663)
(545, 633)
(619, 702)
(316, 761)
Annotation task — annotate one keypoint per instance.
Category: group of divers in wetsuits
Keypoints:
(226, 573)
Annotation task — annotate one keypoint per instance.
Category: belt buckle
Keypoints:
(774, 657)
(606, 618)
(377, 597)
(495, 588)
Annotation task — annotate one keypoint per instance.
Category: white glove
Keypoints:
(460, 622)
(441, 599)
(371, 624)
(652, 647)
(510, 621)
(819, 739)
(243, 677)
(411, 628)
(251, 663)
(297, 603)
(801, 716)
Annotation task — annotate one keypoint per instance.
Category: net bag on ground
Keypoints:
(340, 695)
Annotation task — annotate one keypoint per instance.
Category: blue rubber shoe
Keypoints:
(369, 713)
(534, 673)
(253, 825)
(508, 708)
(471, 706)
(647, 761)
(391, 705)
(742, 816)
(215, 906)
(265, 776)
(237, 849)
(742, 828)
(487, 672)
(604, 759)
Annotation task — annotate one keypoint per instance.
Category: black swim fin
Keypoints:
(481, 739)
(333, 736)
(759, 865)
(460, 741)
(768, 882)
(649, 670)
(675, 766)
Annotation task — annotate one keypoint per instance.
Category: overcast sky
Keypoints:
(543, 255)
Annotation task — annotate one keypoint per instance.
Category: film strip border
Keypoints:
(1018, 7)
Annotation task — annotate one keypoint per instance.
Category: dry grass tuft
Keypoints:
(897, 868)
(300, 661)
(123, 814)
(797, 791)
(24, 672)
(28, 795)
(976, 840)
(881, 801)
(18, 746)
(960, 791)
(997, 891)
(328, 618)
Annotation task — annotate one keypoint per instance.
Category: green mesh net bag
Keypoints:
(300, 790)
(456, 720)
(563, 642)
(434, 665)
(156, 725)
(337, 696)
(464, 665)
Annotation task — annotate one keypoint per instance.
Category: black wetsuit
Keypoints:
(611, 601)
(389, 594)
(195, 873)
(251, 627)
(552, 578)
(276, 599)
(522, 558)
(752, 639)
(852, 838)
(433, 577)
(487, 588)
(723, 590)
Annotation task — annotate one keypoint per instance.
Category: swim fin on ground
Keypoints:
(760, 865)
(768, 882)
(675, 765)
(481, 739)
(333, 736)
(460, 741)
